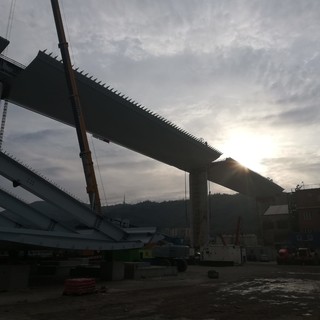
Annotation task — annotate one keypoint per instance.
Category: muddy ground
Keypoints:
(252, 291)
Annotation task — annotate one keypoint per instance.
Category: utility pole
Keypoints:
(85, 153)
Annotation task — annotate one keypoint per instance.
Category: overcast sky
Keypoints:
(242, 75)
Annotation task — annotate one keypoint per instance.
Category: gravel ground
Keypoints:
(252, 291)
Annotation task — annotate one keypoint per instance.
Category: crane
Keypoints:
(85, 153)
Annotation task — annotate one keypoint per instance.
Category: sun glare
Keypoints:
(249, 149)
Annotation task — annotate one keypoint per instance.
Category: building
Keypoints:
(276, 226)
(295, 224)
(304, 207)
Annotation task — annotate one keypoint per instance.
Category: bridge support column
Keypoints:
(199, 207)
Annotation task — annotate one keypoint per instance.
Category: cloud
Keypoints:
(34, 137)
(296, 117)
(216, 68)
(294, 170)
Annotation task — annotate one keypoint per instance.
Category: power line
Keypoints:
(10, 22)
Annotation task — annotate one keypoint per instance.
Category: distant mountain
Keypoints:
(167, 214)
(224, 212)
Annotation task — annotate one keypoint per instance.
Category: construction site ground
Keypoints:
(252, 291)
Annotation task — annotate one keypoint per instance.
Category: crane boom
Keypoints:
(85, 153)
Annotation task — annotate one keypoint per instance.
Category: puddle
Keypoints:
(286, 288)
(305, 273)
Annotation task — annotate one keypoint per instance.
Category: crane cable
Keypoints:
(5, 106)
(98, 167)
(10, 20)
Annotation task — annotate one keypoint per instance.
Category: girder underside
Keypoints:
(25, 215)
(62, 240)
(233, 175)
(41, 87)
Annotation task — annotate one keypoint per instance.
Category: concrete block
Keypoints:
(112, 270)
(155, 272)
(14, 277)
(130, 268)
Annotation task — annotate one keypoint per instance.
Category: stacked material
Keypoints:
(79, 286)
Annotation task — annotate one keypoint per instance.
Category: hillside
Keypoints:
(224, 212)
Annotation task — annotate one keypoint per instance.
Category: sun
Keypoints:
(249, 149)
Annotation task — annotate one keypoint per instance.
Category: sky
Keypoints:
(242, 75)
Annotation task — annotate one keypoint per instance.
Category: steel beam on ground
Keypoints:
(27, 179)
(60, 240)
(6, 222)
(32, 216)
(20, 220)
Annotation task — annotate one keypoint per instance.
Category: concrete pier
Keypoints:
(199, 207)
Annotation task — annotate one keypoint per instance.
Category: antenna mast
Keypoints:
(85, 153)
